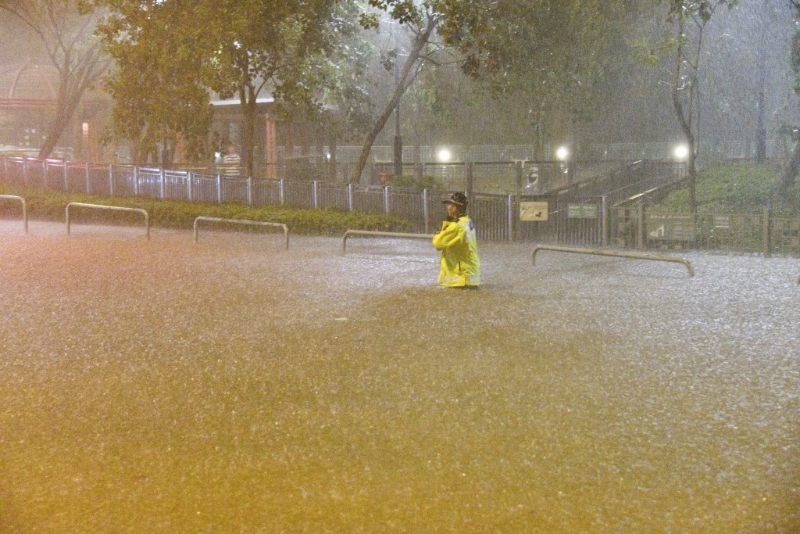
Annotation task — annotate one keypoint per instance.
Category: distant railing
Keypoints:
(24, 208)
(196, 225)
(108, 208)
(393, 235)
(581, 214)
(612, 253)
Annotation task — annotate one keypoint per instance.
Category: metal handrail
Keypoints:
(111, 208)
(381, 234)
(614, 253)
(195, 225)
(24, 208)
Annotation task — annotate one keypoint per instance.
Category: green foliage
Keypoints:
(50, 205)
(735, 187)
(170, 55)
(411, 182)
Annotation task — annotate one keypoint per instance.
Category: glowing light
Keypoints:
(444, 155)
(681, 152)
(562, 153)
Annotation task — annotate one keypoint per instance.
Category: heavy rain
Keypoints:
(230, 385)
(166, 384)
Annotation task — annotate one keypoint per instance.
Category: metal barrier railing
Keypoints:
(370, 233)
(614, 253)
(196, 225)
(110, 208)
(24, 208)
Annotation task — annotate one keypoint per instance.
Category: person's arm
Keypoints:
(451, 234)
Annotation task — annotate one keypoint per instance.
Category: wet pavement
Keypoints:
(233, 386)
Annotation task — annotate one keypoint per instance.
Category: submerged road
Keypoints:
(231, 385)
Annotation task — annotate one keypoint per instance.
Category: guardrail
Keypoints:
(195, 226)
(370, 233)
(110, 208)
(616, 254)
(24, 208)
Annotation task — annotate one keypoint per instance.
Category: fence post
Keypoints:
(386, 207)
(111, 179)
(219, 189)
(603, 221)
(162, 178)
(136, 181)
(66, 175)
(350, 197)
(470, 176)
(425, 208)
(249, 190)
(281, 192)
(314, 194)
(189, 184)
(88, 182)
(640, 225)
(510, 207)
(767, 246)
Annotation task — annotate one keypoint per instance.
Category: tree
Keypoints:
(689, 19)
(279, 46)
(547, 52)
(233, 47)
(66, 32)
(157, 93)
(420, 21)
(552, 55)
(789, 174)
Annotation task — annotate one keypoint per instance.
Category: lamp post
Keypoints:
(398, 140)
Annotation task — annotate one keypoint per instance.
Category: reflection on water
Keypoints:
(168, 386)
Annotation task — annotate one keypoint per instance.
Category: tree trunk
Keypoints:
(406, 77)
(70, 92)
(684, 117)
(247, 97)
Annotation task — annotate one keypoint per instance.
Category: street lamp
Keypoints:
(681, 152)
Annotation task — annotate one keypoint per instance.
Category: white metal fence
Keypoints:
(582, 213)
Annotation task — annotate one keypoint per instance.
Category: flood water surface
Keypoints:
(233, 386)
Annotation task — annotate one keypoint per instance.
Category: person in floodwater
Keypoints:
(460, 265)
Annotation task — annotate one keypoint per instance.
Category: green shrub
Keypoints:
(411, 182)
(734, 187)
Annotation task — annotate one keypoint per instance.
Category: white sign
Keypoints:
(533, 211)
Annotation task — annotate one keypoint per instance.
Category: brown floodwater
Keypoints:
(234, 386)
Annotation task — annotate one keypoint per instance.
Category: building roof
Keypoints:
(27, 85)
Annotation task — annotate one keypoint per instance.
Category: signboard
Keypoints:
(582, 211)
(670, 227)
(721, 221)
(533, 211)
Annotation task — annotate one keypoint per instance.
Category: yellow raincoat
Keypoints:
(460, 265)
